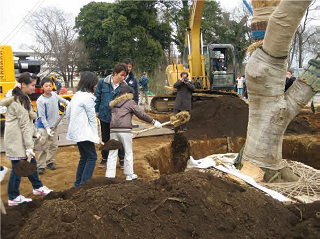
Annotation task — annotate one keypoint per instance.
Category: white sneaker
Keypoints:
(42, 191)
(132, 177)
(18, 200)
(3, 173)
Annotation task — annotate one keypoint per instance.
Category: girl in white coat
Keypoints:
(83, 126)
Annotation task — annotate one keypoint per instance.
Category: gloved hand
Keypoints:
(30, 153)
(157, 124)
(38, 136)
(50, 132)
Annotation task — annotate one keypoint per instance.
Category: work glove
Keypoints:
(38, 136)
(30, 153)
(50, 132)
(157, 124)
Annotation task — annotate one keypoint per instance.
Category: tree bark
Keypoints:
(270, 109)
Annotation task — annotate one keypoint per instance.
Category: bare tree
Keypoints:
(55, 42)
(304, 32)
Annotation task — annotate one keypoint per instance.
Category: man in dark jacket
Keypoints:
(289, 80)
(219, 65)
(183, 101)
(107, 89)
(131, 81)
(143, 83)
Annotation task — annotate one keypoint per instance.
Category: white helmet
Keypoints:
(221, 55)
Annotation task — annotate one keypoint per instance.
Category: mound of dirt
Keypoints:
(224, 116)
(227, 116)
(300, 125)
(187, 205)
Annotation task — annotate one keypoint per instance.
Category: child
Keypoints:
(48, 115)
(83, 126)
(19, 130)
(108, 88)
(123, 108)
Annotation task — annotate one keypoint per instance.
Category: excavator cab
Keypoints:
(223, 78)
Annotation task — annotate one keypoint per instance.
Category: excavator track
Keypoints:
(165, 103)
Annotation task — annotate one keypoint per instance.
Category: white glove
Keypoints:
(38, 136)
(50, 132)
(157, 124)
(30, 153)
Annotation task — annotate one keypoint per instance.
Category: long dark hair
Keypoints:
(26, 78)
(88, 80)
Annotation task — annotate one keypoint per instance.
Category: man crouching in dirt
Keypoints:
(183, 101)
(122, 109)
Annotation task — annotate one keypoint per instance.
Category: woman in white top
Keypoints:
(83, 126)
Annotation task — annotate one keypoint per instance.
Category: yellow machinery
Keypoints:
(7, 75)
(199, 63)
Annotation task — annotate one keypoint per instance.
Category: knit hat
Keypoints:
(221, 55)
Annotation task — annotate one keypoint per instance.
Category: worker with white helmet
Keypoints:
(219, 65)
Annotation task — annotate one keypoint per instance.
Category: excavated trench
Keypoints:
(173, 156)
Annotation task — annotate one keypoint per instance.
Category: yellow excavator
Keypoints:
(9, 69)
(199, 62)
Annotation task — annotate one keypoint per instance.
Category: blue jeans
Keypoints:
(87, 162)
(240, 92)
(14, 180)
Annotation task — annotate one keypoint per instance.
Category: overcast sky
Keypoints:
(14, 15)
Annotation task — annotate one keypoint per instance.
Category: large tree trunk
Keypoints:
(270, 109)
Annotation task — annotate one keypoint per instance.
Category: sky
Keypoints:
(14, 14)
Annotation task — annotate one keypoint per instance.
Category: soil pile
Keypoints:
(300, 125)
(224, 116)
(187, 205)
(227, 116)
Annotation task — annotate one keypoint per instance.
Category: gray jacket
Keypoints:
(123, 108)
(184, 95)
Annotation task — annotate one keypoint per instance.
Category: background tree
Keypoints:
(304, 35)
(55, 42)
(112, 32)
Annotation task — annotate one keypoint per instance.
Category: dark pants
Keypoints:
(87, 162)
(105, 133)
(183, 126)
(14, 180)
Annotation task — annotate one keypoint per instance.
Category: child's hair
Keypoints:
(45, 80)
(125, 89)
(120, 67)
(88, 80)
(127, 61)
(25, 78)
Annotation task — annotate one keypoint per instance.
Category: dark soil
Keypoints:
(188, 205)
(227, 116)
(221, 117)
(300, 125)
(180, 149)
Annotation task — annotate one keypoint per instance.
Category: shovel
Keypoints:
(176, 120)
(112, 144)
(24, 168)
